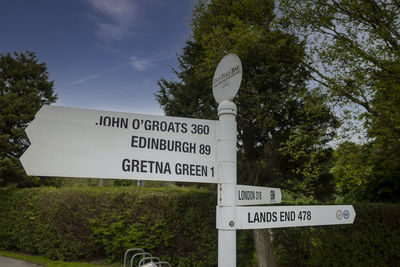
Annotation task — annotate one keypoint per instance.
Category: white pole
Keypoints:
(226, 154)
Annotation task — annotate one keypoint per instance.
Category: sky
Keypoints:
(101, 54)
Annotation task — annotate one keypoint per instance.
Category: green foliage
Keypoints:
(24, 88)
(355, 51)
(177, 225)
(373, 240)
(282, 126)
(368, 172)
(352, 170)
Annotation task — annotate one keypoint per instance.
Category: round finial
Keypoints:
(227, 78)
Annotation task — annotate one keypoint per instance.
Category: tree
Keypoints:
(282, 127)
(352, 170)
(24, 88)
(355, 47)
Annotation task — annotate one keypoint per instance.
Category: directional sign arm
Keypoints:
(42, 160)
(257, 195)
(263, 217)
(72, 142)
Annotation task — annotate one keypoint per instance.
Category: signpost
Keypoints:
(71, 142)
(257, 195)
(263, 217)
(227, 78)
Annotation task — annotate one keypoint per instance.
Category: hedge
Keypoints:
(175, 224)
(373, 240)
(178, 225)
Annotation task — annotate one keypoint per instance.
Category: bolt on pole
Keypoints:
(226, 144)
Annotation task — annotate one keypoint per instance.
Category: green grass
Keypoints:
(50, 263)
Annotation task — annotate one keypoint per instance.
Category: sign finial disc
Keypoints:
(227, 78)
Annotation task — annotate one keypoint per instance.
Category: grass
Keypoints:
(50, 263)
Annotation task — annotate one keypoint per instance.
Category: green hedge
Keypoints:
(373, 240)
(177, 225)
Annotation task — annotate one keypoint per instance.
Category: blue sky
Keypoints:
(102, 54)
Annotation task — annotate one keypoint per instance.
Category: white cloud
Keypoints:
(114, 19)
(85, 79)
(121, 11)
(142, 64)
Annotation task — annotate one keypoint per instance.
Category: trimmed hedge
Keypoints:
(178, 225)
(175, 224)
(373, 240)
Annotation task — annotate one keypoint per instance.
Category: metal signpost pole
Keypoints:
(226, 147)
(226, 83)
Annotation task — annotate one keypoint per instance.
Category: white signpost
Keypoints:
(262, 217)
(257, 195)
(230, 217)
(72, 142)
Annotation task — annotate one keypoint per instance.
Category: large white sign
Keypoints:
(256, 195)
(262, 217)
(73, 142)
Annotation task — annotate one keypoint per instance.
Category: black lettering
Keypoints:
(170, 145)
(185, 170)
(107, 121)
(142, 142)
(163, 144)
(147, 125)
(143, 166)
(192, 148)
(269, 216)
(249, 218)
(115, 122)
(134, 141)
(262, 216)
(292, 216)
(159, 167)
(178, 147)
(154, 143)
(274, 216)
(178, 169)
(156, 126)
(167, 169)
(171, 127)
(125, 165)
(184, 127)
(287, 216)
(124, 123)
(135, 124)
(151, 163)
(163, 126)
(135, 165)
(194, 170)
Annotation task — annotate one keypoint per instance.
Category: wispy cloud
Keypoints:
(98, 75)
(142, 64)
(113, 19)
(85, 79)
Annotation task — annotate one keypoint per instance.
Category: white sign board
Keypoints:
(257, 195)
(227, 78)
(71, 142)
(262, 217)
